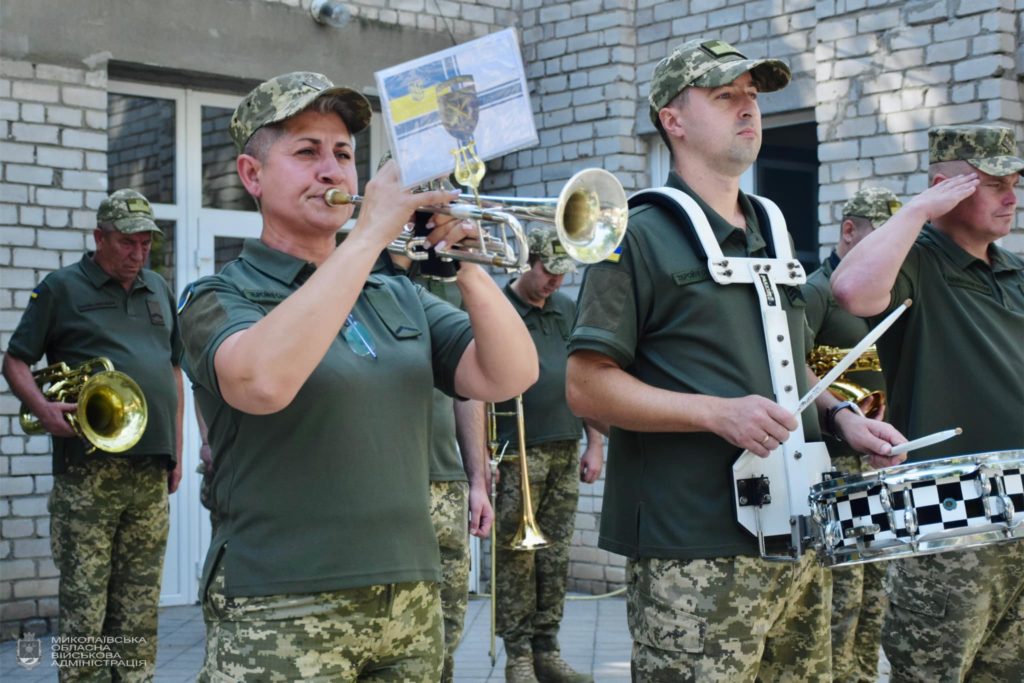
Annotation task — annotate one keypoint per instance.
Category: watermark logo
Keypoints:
(29, 651)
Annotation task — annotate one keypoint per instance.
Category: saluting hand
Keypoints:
(942, 197)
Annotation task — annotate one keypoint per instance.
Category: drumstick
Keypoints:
(929, 440)
(850, 358)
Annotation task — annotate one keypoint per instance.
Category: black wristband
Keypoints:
(830, 417)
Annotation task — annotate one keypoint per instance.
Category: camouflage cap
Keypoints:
(710, 64)
(990, 149)
(285, 96)
(544, 243)
(876, 204)
(128, 211)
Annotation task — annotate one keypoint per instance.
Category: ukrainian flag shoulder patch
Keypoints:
(615, 255)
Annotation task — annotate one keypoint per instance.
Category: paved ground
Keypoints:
(594, 638)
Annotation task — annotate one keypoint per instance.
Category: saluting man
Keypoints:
(954, 359)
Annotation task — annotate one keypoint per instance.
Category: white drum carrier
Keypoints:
(770, 493)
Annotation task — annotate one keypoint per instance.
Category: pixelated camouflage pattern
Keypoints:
(876, 204)
(858, 603)
(728, 620)
(384, 633)
(108, 533)
(449, 511)
(710, 64)
(531, 585)
(128, 211)
(285, 96)
(957, 615)
(543, 242)
(991, 149)
(858, 609)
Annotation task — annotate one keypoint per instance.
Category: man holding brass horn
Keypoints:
(858, 599)
(530, 591)
(315, 379)
(677, 365)
(108, 511)
(955, 360)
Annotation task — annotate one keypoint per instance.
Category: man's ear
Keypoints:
(249, 168)
(671, 122)
(847, 231)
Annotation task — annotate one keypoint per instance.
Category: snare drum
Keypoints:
(919, 508)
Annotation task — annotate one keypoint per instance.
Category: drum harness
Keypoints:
(770, 494)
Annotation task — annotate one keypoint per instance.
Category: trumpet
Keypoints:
(823, 358)
(589, 216)
(111, 413)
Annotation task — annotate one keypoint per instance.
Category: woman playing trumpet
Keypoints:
(314, 378)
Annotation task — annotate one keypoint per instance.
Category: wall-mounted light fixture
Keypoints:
(330, 13)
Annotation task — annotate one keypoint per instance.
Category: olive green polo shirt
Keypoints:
(78, 313)
(955, 358)
(445, 460)
(332, 491)
(658, 314)
(545, 411)
(832, 326)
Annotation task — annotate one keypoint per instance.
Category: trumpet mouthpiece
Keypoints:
(336, 197)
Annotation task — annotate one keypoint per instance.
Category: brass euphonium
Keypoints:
(111, 413)
(823, 358)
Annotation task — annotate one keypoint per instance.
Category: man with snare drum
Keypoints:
(955, 359)
(677, 364)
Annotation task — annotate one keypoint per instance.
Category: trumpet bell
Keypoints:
(112, 412)
(591, 215)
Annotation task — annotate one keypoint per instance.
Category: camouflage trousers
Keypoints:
(858, 608)
(449, 511)
(108, 532)
(728, 620)
(379, 633)
(530, 591)
(957, 615)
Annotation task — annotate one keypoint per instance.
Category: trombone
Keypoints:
(111, 413)
(589, 216)
(528, 535)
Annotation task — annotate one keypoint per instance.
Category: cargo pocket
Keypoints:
(658, 625)
(914, 593)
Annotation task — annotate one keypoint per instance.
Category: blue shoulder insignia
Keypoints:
(185, 297)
